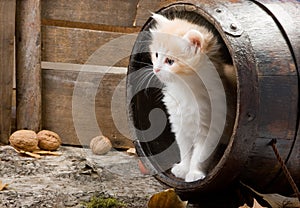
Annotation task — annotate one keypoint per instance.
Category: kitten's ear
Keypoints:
(160, 19)
(195, 39)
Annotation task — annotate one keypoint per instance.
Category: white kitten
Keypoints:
(179, 51)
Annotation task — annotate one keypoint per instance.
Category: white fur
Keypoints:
(185, 96)
(188, 104)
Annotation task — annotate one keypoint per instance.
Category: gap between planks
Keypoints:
(90, 26)
(83, 68)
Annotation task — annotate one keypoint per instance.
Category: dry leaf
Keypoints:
(3, 185)
(37, 153)
(166, 199)
(131, 151)
(255, 205)
(45, 152)
(37, 156)
(276, 200)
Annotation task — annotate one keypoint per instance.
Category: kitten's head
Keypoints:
(177, 46)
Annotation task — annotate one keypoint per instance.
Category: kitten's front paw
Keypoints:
(180, 170)
(194, 176)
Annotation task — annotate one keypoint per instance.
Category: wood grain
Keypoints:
(78, 103)
(72, 45)
(7, 31)
(267, 97)
(145, 7)
(106, 12)
(28, 62)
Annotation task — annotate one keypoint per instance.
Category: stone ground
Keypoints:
(72, 178)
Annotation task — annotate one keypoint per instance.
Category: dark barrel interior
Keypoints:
(263, 45)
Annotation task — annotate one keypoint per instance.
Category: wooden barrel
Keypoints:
(263, 43)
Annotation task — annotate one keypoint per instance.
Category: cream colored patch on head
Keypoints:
(180, 27)
(177, 46)
(175, 26)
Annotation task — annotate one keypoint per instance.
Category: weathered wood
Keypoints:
(278, 98)
(28, 63)
(275, 93)
(90, 26)
(293, 163)
(78, 103)
(7, 32)
(106, 12)
(267, 96)
(145, 7)
(71, 45)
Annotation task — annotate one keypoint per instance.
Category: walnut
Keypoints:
(48, 140)
(100, 145)
(24, 140)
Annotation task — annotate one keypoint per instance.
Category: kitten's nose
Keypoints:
(156, 70)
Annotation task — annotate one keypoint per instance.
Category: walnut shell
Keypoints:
(100, 145)
(24, 140)
(48, 140)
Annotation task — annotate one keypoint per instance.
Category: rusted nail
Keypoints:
(273, 142)
(250, 116)
(218, 10)
(233, 26)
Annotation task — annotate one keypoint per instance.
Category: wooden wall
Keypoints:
(77, 104)
(62, 47)
(74, 29)
(74, 33)
(7, 30)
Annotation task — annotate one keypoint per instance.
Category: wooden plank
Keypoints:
(107, 12)
(278, 97)
(145, 7)
(143, 10)
(262, 162)
(77, 103)
(28, 60)
(7, 32)
(293, 163)
(90, 26)
(70, 45)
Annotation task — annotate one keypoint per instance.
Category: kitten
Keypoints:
(179, 51)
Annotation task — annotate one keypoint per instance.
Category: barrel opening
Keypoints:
(162, 152)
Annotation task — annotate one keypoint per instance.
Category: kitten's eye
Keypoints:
(156, 55)
(169, 61)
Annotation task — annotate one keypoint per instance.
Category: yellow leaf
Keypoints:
(37, 156)
(46, 152)
(166, 199)
(257, 205)
(131, 151)
(3, 186)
